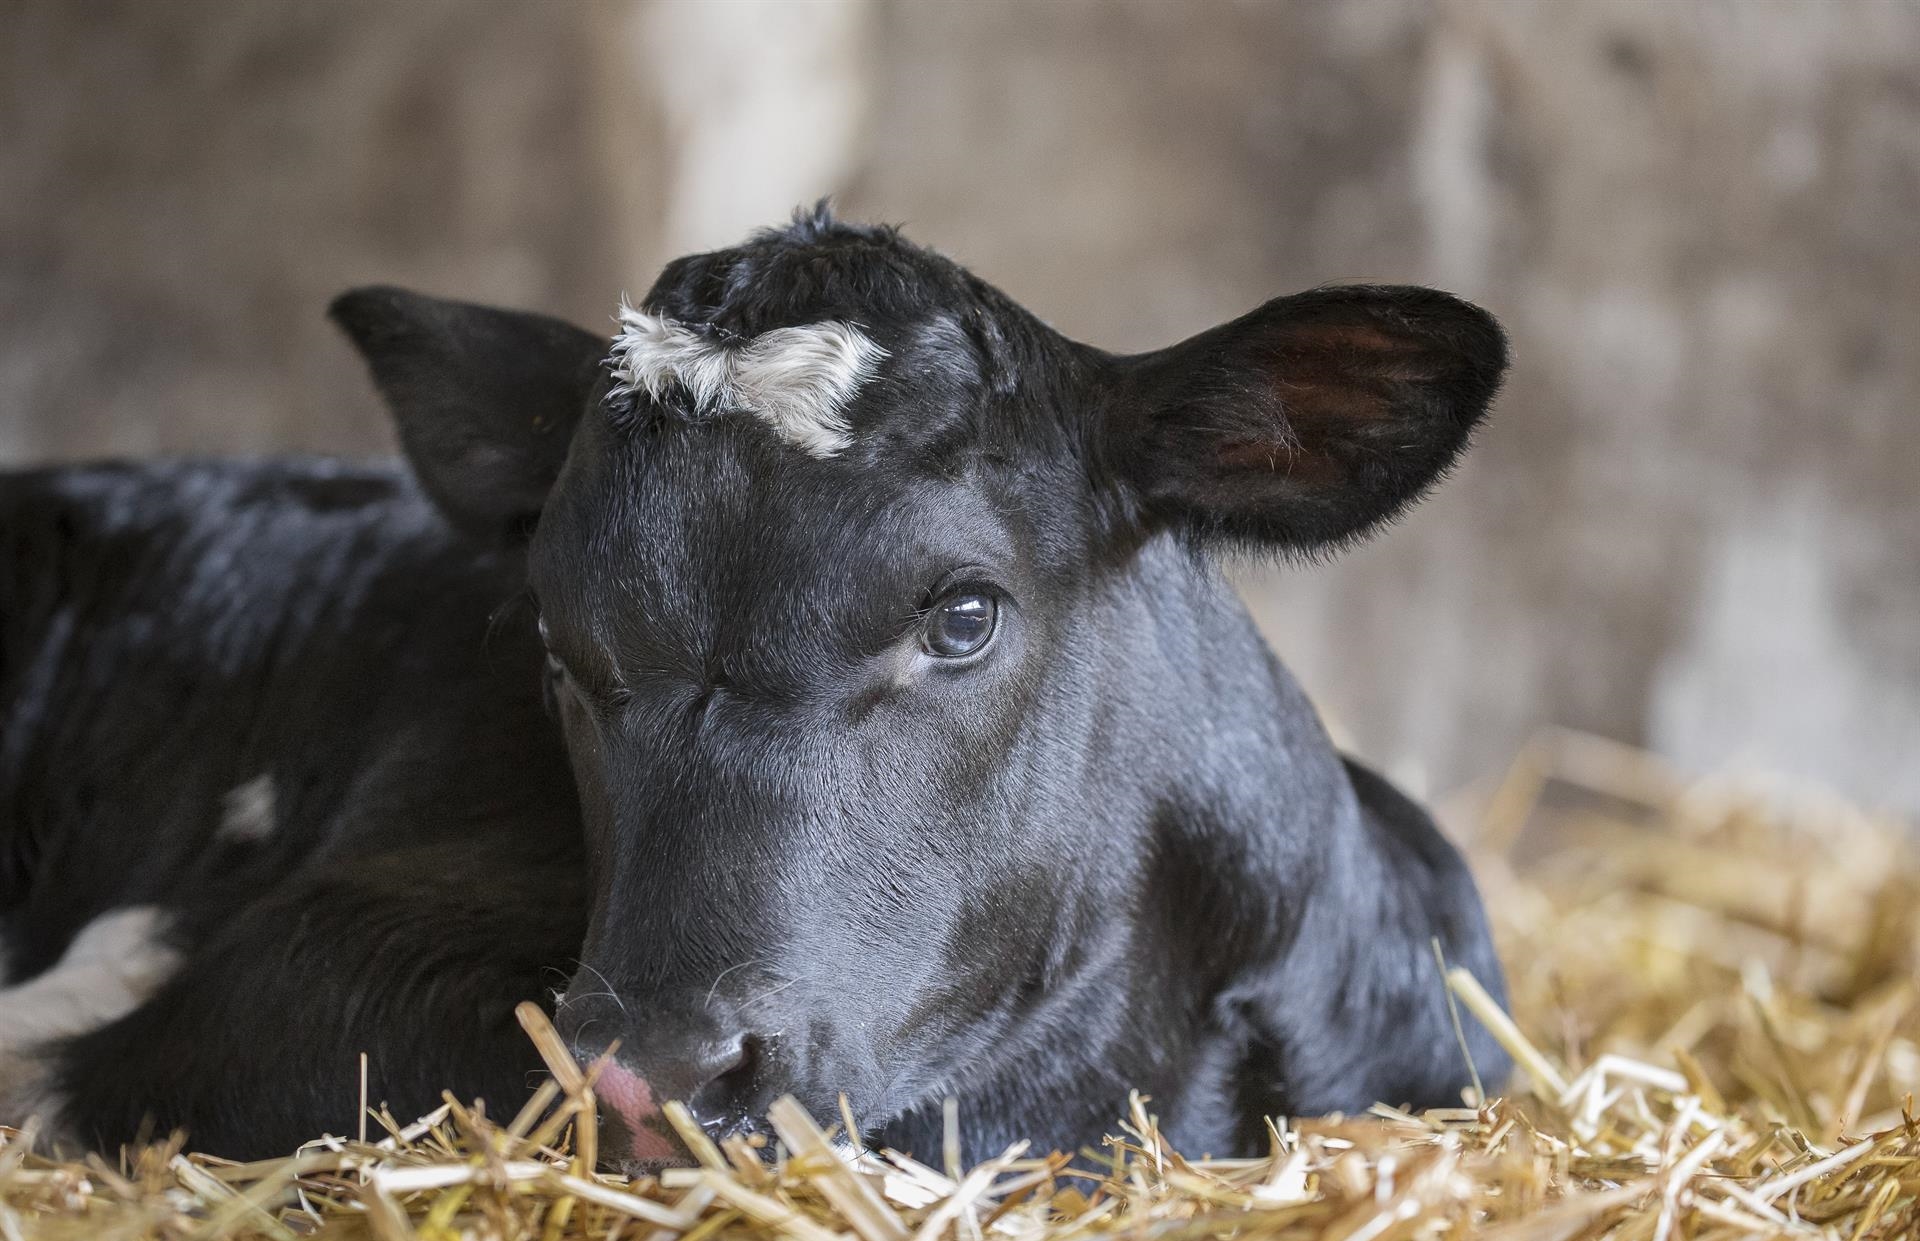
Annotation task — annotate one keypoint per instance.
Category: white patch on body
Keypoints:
(797, 380)
(116, 962)
(246, 812)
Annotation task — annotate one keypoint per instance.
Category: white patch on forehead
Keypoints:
(110, 968)
(247, 811)
(797, 380)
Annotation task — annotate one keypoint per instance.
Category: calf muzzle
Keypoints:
(720, 1074)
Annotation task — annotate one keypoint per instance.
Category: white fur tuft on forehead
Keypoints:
(797, 380)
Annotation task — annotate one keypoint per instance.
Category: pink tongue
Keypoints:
(630, 1097)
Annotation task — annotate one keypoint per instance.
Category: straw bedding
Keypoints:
(1713, 1006)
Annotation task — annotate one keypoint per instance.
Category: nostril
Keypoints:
(726, 1102)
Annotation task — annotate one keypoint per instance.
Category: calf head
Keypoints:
(921, 750)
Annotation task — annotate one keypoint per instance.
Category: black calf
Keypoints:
(918, 749)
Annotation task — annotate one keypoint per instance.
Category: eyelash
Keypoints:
(959, 582)
(612, 697)
(968, 580)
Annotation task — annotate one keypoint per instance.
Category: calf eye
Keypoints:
(960, 625)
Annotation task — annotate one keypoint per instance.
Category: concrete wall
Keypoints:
(1692, 524)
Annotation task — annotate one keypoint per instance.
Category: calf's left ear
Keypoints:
(486, 400)
(1307, 421)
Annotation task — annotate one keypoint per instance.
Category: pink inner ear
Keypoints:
(631, 1099)
(1322, 401)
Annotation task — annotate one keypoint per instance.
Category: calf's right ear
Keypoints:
(486, 400)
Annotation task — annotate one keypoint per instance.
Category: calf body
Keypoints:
(271, 703)
(900, 738)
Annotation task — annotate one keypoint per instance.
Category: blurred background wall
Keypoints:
(1692, 524)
